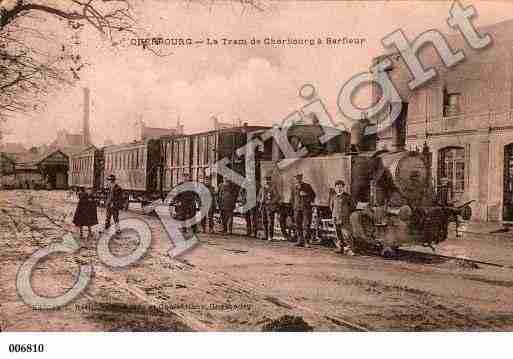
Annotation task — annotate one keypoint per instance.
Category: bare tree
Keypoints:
(26, 71)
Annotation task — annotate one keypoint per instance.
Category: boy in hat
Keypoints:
(301, 199)
(342, 205)
(113, 203)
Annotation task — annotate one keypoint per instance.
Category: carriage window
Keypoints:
(176, 146)
(205, 150)
(200, 150)
(186, 152)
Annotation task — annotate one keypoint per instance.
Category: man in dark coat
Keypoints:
(228, 194)
(285, 211)
(113, 203)
(249, 214)
(210, 215)
(302, 198)
(186, 203)
(269, 203)
(342, 205)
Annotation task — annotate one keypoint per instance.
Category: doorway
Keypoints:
(507, 210)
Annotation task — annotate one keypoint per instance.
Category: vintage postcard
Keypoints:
(255, 165)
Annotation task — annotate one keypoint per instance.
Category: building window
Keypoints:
(451, 104)
(452, 169)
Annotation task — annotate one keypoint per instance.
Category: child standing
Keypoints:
(86, 212)
(342, 206)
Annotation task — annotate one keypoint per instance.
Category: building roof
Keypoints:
(30, 161)
(7, 156)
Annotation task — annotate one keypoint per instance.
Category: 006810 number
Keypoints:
(26, 348)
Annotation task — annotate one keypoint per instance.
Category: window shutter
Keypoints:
(440, 166)
(467, 166)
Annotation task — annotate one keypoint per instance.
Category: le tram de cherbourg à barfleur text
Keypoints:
(266, 41)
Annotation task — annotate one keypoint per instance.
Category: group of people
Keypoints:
(260, 220)
(86, 213)
(224, 200)
(301, 200)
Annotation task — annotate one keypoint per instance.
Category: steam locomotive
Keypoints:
(396, 202)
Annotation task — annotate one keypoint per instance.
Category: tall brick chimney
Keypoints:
(86, 134)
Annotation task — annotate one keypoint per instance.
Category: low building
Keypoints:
(7, 170)
(48, 170)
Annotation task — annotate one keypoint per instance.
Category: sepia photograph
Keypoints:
(252, 166)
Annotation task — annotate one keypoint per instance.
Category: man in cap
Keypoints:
(302, 198)
(342, 205)
(269, 202)
(113, 203)
(210, 215)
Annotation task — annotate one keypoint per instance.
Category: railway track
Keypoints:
(411, 253)
(196, 323)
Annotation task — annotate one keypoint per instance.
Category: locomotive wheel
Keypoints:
(388, 253)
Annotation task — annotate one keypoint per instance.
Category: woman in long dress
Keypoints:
(86, 213)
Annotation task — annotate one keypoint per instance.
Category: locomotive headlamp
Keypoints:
(405, 213)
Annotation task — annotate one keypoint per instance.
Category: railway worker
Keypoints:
(210, 215)
(113, 203)
(301, 199)
(269, 203)
(342, 205)
(186, 203)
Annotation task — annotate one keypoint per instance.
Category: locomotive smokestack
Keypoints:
(86, 135)
(357, 131)
(399, 129)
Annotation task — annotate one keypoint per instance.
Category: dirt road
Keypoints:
(241, 284)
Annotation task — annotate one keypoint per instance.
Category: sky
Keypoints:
(256, 84)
